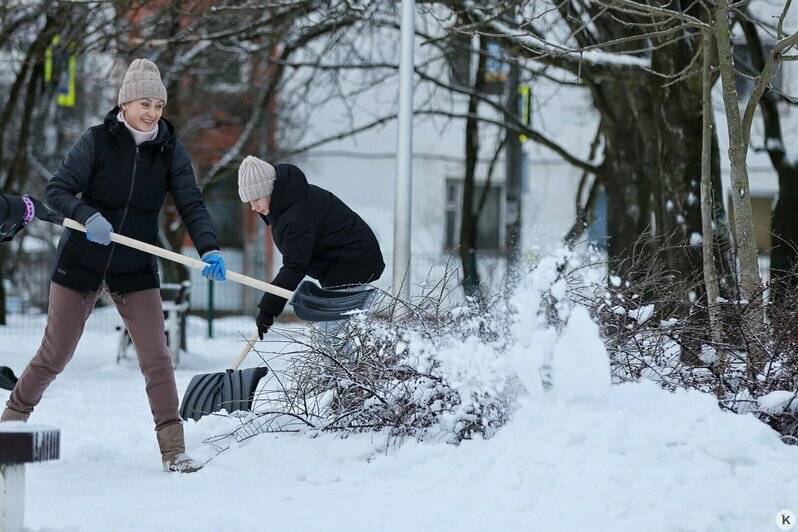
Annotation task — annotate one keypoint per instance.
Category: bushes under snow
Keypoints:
(429, 371)
(417, 370)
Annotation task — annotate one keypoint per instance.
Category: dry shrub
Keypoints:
(401, 371)
(657, 328)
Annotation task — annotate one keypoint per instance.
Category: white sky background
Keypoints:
(584, 456)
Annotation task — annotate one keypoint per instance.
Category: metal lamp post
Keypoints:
(404, 167)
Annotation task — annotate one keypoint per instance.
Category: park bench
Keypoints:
(176, 299)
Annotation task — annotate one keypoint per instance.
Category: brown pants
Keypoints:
(142, 314)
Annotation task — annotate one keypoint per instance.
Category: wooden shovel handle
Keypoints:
(186, 261)
(245, 351)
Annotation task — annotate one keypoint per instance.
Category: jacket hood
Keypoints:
(166, 131)
(289, 187)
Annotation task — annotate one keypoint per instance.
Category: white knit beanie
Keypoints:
(255, 179)
(142, 80)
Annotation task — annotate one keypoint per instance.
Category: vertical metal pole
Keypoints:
(404, 167)
(210, 309)
(514, 157)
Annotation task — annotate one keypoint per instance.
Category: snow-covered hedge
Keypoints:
(417, 370)
(426, 370)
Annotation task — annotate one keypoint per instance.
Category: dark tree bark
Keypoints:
(470, 218)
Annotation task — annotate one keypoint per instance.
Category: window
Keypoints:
(459, 56)
(490, 226)
(762, 208)
(462, 64)
(495, 66)
(224, 67)
(224, 206)
(743, 65)
(225, 71)
(597, 232)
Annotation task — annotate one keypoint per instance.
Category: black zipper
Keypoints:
(124, 214)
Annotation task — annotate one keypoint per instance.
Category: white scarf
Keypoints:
(138, 136)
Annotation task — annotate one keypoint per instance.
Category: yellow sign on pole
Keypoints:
(55, 58)
(525, 107)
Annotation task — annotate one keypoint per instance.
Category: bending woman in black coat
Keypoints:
(317, 234)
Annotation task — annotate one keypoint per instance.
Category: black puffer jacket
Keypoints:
(127, 184)
(319, 236)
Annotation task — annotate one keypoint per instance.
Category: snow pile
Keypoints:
(440, 374)
(556, 344)
(580, 365)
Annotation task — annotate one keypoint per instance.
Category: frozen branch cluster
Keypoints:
(402, 373)
(653, 333)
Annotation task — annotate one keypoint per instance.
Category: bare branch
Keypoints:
(764, 81)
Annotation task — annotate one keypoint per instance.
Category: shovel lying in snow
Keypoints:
(310, 302)
(230, 390)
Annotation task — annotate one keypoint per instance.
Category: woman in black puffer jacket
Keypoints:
(114, 180)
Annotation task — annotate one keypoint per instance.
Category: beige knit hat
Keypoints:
(255, 179)
(142, 80)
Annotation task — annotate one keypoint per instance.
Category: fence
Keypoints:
(28, 281)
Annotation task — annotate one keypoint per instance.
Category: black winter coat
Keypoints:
(127, 184)
(319, 236)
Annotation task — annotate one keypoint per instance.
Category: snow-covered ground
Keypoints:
(615, 458)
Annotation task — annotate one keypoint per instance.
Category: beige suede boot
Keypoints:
(13, 415)
(173, 450)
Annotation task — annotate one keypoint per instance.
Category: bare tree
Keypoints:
(750, 280)
(762, 68)
(639, 62)
(707, 207)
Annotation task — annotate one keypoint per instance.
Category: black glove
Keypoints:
(40, 210)
(15, 214)
(263, 321)
(43, 213)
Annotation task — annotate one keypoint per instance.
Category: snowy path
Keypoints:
(639, 459)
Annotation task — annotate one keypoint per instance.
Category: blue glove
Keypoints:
(98, 229)
(215, 269)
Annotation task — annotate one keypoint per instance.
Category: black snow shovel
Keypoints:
(230, 390)
(7, 378)
(310, 301)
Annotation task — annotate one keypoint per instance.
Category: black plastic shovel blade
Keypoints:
(212, 392)
(7, 378)
(313, 303)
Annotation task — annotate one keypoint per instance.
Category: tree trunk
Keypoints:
(710, 272)
(750, 281)
(653, 129)
(469, 218)
(650, 171)
(784, 253)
